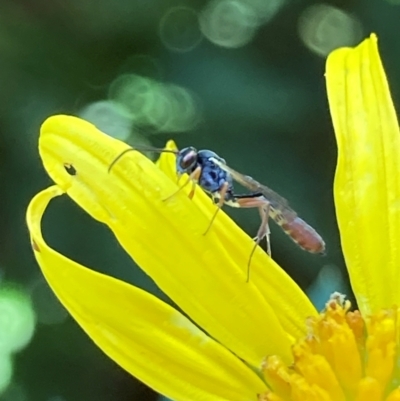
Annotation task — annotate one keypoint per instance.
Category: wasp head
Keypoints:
(186, 160)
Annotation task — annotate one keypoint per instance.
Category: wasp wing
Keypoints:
(300, 232)
(277, 202)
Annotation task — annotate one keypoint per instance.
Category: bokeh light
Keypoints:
(47, 307)
(109, 117)
(179, 29)
(14, 392)
(329, 280)
(17, 319)
(263, 10)
(233, 23)
(183, 106)
(228, 23)
(324, 28)
(159, 107)
(135, 93)
(6, 371)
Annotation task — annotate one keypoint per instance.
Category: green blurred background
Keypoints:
(242, 77)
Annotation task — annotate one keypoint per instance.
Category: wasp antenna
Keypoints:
(140, 148)
(118, 157)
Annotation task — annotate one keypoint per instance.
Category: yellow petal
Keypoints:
(367, 185)
(394, 395)
(167, 161)
(369, 389)
(275, 285)
(144, 335)
(203, 274)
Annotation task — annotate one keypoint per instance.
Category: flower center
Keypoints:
(344, 357)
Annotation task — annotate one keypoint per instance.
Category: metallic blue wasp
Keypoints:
(206, 169)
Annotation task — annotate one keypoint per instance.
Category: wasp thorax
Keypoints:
(186, 160)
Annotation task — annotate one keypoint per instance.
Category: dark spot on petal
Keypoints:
(70, 169)
(35, 246)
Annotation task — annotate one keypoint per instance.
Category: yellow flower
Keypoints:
(261, 338)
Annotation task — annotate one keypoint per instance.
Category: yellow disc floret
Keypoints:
(344, 357)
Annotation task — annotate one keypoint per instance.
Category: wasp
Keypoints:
(210, 171)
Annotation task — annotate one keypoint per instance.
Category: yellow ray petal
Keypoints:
(144, 335)
(166, 161)
(277, 288)
(204, 275)
(367, 185)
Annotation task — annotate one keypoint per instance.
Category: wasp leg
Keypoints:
(178, 177)
(222, 193)
(257, 200)
(263, 231)
(193, 178)
(262, 211)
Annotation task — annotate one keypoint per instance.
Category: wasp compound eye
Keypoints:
(187, 159)
(70, 169)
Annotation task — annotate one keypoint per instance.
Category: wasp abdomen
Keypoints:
(304, 235)
(300, 232)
